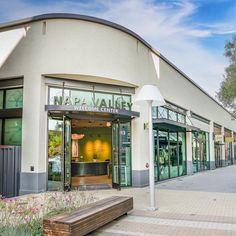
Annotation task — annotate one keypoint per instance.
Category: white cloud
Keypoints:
(163, 24)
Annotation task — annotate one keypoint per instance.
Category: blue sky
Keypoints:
(190, 33)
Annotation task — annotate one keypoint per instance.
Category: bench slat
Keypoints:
(88, 218)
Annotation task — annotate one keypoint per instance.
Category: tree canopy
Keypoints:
(227, 92)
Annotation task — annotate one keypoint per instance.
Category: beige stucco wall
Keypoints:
(180, 91)
(83, 48)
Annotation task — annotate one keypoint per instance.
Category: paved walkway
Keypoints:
(200, 205)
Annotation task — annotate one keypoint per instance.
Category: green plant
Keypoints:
(24, 215)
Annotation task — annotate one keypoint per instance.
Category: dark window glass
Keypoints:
(163, 155)
(54, 154)
(170, 154)
(182, 154)
(162, 113)
(172, 115)
(200, 151)
(173, 152)
(0, 131)
(12, 131)
(181, 118)
(125, 155)
(14, 98)
(1, 99)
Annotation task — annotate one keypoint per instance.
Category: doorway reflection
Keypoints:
(55, 154)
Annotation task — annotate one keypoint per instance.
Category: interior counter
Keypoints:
(89, 168)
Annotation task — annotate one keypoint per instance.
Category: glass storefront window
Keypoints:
(166, 113)
(56, 96)
(125, 154)
(0, 131)
(154, 113)
(83, 98)
(122, 102)
(200, 151)
(228, 147)
(182, 154)
(181, 118)
(170, 154)
(1, 99)
(173, 152)
(14, 98)
(12, 131)
(54, 154)
(162, 113)
(234, 150)
(105, 100)
(163, 155)
(172, 115)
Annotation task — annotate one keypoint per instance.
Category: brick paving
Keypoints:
(187, 206)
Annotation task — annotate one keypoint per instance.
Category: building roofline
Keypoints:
(49, 16)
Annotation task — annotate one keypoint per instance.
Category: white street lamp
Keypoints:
(151, 95)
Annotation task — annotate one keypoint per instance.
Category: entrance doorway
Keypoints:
(89, 153)
(200, 152)
(218, 160)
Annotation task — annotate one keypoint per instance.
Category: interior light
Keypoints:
(108, 124)
(77, 136)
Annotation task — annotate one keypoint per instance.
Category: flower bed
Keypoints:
(24, 215)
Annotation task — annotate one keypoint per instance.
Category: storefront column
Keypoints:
(234, 162)
(189, 153)
(189, 150)
(140, 156)
(212, 147)
(223, 146)
(33, 177)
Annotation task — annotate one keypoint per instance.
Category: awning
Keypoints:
(173, 125)
(8, 42)
(80, 112)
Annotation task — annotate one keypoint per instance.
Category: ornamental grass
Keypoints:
(24, 215)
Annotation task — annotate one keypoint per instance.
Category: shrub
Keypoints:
(24, 215)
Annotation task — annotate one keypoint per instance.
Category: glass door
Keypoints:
(163, 155)
(156, 148)
(217, 155)
(67, 153)
(115, 155)
(125, 153)
(55, 154)
(121, 154)
(173, 154)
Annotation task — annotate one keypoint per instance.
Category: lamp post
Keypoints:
(153, 97)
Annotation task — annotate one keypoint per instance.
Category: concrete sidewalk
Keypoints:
(180, 212)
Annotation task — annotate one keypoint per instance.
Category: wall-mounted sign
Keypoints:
(229, 139)
(69, 108)
(218, 138)
(58, 96)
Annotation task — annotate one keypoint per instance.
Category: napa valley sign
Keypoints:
(117, 103)
(89, 99)
(75, 100)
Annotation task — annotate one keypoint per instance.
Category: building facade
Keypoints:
(67, 88)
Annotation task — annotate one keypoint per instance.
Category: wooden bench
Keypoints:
(88, 218)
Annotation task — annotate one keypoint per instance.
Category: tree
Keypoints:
(227, 92)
